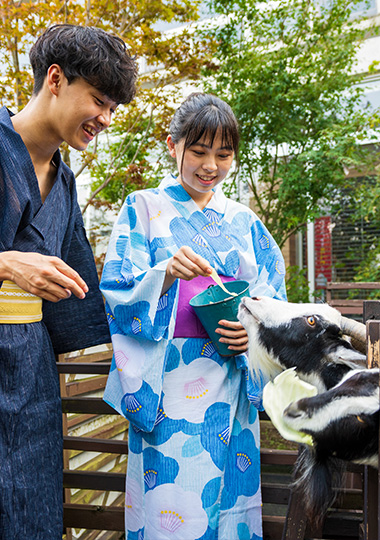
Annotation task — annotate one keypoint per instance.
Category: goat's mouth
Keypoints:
(244, 310)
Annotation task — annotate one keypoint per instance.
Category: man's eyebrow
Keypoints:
(203, 145)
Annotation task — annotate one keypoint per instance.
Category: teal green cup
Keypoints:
(213, 304)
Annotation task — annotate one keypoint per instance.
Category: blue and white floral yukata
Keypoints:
(194, 458)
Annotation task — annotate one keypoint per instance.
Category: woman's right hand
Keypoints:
(185, 264)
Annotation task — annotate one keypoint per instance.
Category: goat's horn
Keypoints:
(357, 332)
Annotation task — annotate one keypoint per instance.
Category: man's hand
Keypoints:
(47, 277)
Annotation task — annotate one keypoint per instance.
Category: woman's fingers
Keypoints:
(187, 265)
(233, 334)
(231, 328)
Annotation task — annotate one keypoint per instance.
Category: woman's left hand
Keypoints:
(233, 334)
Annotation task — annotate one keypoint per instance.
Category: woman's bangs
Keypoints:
(207, 125)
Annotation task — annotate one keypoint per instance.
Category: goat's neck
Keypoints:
(261, 362)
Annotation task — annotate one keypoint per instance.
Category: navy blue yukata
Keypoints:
(30, 408)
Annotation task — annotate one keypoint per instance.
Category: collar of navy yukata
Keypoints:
(6, 123)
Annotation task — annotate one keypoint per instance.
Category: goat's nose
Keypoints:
(255, 298)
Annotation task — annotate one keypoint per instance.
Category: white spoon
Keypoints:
(219, 282)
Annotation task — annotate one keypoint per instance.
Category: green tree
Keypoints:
(118, 160)
(287, 69)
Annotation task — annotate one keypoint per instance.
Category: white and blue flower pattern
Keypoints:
(172, 512)
(191, 389)
(187, 405)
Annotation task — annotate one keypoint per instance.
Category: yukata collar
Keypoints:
(6, 123)
(176, 191)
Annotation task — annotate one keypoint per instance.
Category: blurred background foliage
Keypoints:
(288, 69)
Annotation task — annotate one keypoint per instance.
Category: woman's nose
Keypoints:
(209, 164)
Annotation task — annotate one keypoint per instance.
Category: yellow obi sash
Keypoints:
(18, 306)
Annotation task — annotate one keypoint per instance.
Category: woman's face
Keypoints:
(203, 166)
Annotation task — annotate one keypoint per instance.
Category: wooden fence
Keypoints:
(348, 298)
(96, 450)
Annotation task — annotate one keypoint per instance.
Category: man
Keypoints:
(49, 297)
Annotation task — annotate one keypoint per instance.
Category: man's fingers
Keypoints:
(47, 277)
(72, 275)
(67, 279)
(46, 295)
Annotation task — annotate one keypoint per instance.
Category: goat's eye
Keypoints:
(311, 320)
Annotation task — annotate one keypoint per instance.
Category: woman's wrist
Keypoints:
(169, 279)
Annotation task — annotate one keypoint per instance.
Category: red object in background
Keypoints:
(323, 248)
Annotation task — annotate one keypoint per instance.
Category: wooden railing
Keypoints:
(95, 437)
(345, 304)
(371, 316)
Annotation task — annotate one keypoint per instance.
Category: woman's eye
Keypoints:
(311, 320)
(198, 153)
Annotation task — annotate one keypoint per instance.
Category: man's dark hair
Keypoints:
(98, 57)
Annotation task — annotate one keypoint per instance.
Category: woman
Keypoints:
(194, 462)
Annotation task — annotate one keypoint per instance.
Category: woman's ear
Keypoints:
(171, 146)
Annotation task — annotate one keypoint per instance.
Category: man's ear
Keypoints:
(54, 78)
(171, 146)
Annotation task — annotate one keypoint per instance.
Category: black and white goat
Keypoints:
(343, 418)
(313, 338)
(344, 425)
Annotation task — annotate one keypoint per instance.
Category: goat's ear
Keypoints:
(349, 357)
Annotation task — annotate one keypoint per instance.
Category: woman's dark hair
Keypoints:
(204, 114)
(98, 57)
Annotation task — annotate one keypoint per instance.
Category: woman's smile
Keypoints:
(206, 180)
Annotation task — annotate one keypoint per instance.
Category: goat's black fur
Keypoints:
(318, 479)
(341, 421)
(297, 344)
(352, 436)
(308, 337)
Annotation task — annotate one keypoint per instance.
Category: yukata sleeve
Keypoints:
(141, 320)
(270, 263)
(73, 323)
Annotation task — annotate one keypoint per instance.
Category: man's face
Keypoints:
(81, 112)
